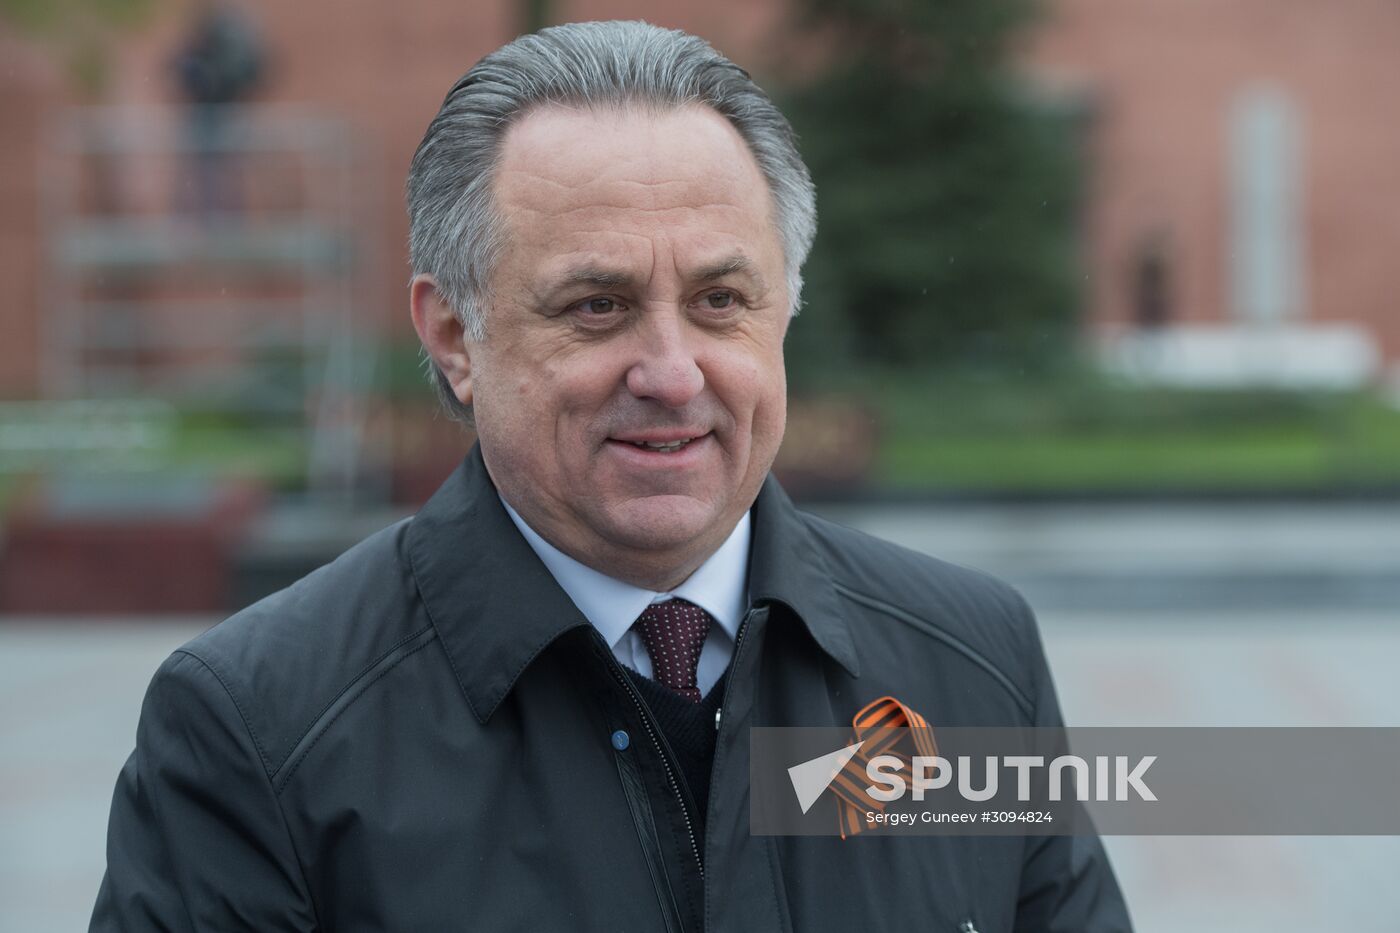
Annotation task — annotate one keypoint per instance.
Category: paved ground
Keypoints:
(1169, 556)
(1271, 668)
(70, 693)
(69, 698)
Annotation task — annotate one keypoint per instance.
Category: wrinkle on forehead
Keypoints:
(630, 193)
(526, 191)
(550, 161)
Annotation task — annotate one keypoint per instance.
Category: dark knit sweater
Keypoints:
(690, 731)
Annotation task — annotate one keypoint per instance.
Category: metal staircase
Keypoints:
(213, 260)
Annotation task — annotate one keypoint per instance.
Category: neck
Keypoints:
(650, 568)
(656, 569)
(644, 571)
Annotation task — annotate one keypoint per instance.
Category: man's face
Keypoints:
(630, 393)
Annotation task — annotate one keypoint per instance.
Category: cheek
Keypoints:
(769, 377)
(771, 420)
(771, 410)
(569, 399)
(511, 413)
(525, 392)
(756, 394)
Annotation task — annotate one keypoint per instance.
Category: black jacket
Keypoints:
(417, 737)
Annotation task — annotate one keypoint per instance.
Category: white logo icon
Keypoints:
(810, 778)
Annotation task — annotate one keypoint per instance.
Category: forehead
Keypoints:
(600, 179)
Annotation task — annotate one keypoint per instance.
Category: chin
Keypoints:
(664, 522)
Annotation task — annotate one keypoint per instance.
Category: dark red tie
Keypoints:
(674, 632)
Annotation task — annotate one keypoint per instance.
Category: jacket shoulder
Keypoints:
(287, 658)
(964, 609)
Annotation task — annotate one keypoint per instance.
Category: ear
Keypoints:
(442, 335)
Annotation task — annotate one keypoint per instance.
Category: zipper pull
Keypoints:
(718, 710)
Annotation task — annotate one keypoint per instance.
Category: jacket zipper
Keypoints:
(656, 739)
(665, 754)
(664, 894)
(733, 666)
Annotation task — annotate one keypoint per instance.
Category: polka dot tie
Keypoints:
(674, 632)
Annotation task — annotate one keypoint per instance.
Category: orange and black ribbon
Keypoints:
(885, 727)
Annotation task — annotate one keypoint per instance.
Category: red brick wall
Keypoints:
(383, 68)
(28, 89)
(1164, 72)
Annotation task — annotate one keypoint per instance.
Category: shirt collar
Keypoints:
(717, 585)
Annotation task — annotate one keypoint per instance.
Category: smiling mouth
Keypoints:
(664, 447)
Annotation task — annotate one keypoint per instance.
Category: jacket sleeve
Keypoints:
(1067, 884)
(196, 838)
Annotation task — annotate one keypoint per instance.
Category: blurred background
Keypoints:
(1104, 301)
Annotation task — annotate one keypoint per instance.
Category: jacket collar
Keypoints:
(496, 607)
(786, 567)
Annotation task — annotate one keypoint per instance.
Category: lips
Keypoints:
(664, 447)
(671, 442)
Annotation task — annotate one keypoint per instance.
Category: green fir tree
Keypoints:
(947, 196)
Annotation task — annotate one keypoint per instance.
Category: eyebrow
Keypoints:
(737, 263)
(593, 275)
(603, 277)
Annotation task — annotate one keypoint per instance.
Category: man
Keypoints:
(528, 707)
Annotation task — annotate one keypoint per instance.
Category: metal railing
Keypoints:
(211, 258)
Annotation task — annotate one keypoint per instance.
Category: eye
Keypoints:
(721, 300)
(598, 306)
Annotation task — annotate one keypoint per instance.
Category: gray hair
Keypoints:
(454, 232)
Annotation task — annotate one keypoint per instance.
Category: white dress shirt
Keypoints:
(719, 586)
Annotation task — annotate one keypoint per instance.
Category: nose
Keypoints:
(666, 369)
